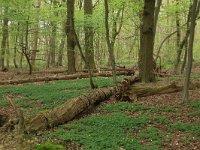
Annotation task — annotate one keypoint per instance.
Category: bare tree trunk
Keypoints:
(35, 34)
(115, 32)
(89, 34)
(7, 53)
(157, 11)
(70, 37)
(61, 47)
(146, 43)
(178, 39)
(25, 48)
(4, 39)
(190, 50)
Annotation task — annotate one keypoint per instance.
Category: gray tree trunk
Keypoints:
(190, 51)
(70, 37)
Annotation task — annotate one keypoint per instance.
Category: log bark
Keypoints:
(172, 88)
(101, 69)
(71, 108)
(63, 77)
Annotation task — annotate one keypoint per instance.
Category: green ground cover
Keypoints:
(45, 96)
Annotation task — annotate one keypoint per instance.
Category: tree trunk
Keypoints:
(4, 39)
(190, 50)
(143, 91)
(89, 34)
(178, 39)
(63, 77)
(61, 47)
(147, 43)
(70, 37)
(110, 48)
(35, 34)
(26, 47)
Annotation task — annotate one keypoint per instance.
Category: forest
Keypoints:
(99, 75)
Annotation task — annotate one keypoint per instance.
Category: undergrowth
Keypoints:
(108, 132)
(48, 95)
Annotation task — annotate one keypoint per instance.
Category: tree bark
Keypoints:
(115, 32)
(4, 38)
(171, 88)
(178, 40)
(147, 43)
(190, 50)
(70, 37)
(63, 77)
(35, 34)
(89, 34)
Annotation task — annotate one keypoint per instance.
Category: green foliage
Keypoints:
(186, 127)
(103, 132)
(152, 136)
(160, 119)
(195, 109)
(49, 146)
(161, 109)
(195, 104)
(50, 94)
(122, 106)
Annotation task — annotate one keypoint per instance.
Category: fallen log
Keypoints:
(70, 109)
(62, 70)
(172, 88)
(63, 77)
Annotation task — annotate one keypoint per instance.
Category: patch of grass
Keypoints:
(195, 108)
(160, 119)
(104, 132)
(122, 106)
(186, 127)
(162, 109)
(195, 104)
(49, 146)
(151, 136)
(49, 94)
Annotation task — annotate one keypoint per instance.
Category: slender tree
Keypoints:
(111, 38)
(4, 38)
(71, 43)
(35, 33)
(89, 34)
(195, 8)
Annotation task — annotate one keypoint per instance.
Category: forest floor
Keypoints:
(153, 122)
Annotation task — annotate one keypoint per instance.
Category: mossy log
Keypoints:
(172, 88)
(63, 77)
(71, 108)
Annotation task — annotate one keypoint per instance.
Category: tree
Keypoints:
(147, 42)
(70, 37)
(195, 10)
(114, 34)
(89, 34)
(35, 34)
(4, 38)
